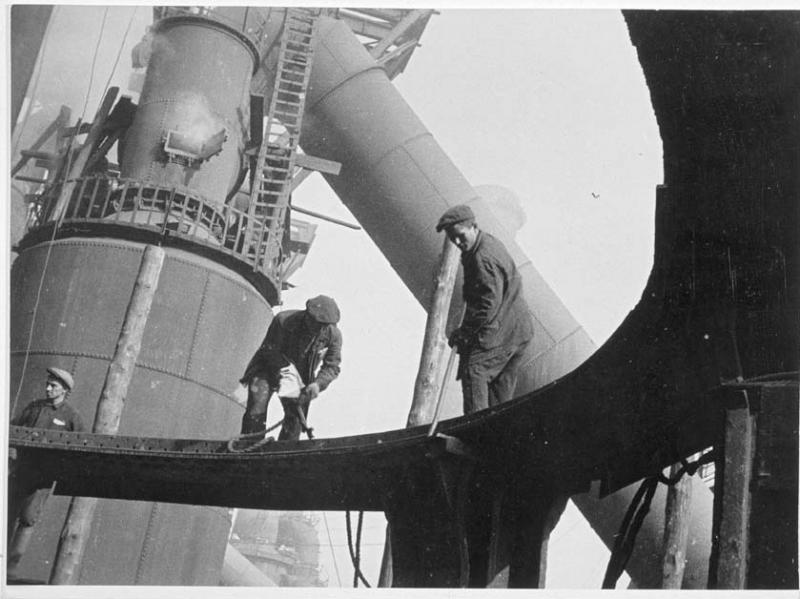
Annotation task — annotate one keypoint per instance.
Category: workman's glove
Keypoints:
(310, 391)
(457, 339)
(12, 453)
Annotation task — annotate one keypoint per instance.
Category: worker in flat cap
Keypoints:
(494, 337)
(297, 360)
(28, 491)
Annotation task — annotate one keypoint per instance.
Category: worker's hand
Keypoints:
(310, 391)
(12, 453)
(457, 339)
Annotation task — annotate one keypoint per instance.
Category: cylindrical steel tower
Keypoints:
(72, 283)
(206, 93)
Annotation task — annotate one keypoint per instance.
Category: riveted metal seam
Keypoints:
(148, 535)
(197, 323)
(139, 364)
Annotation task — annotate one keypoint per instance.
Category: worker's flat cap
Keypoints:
(456, 214)
(323, 309)
(63, 376)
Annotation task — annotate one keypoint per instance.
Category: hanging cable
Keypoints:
(355, 551)
(94, 61)
(631, 523)
(119, 52)
(67, 167)
(41, 281)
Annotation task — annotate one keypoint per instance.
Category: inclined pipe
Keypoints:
(397, 180)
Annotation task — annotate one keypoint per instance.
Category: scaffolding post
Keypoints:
(78, 523)
(431, 365)
(755, 540)
(676, 530)
(432, 360)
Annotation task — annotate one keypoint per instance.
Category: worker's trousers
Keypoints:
(259, 392)
(492, 380)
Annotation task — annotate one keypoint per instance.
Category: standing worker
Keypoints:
(306, 340)
(494, 338)
(28, 492)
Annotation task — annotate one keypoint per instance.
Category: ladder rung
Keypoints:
(273, 178)
(288, 103)
(297, 46)
(285, 61)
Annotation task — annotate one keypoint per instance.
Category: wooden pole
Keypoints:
(431, 363)
(85, 152)
(733, 471)
(75, 534)
(676, 530)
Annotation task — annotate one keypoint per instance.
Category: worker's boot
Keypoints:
(254, 423)
(18, 547)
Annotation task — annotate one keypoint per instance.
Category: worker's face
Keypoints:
(463, 236)
(312, 325)
(54, 390)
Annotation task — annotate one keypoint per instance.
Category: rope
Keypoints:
(94, 61)
(623, 543)
(686, 468)
(42, 279)
(66, 173)
(260, 435)
(355, 552)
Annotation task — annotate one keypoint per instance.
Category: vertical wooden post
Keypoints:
(733, 473)
(434, 344)
(431, 365)
(676, 530)
(75, 534)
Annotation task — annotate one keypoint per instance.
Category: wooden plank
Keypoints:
(317, 164)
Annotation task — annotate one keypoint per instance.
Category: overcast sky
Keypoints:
(550, 104)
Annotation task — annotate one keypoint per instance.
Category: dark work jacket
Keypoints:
(288, 338)
(42, 414)
(497, 316)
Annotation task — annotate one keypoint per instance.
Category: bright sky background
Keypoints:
(550, 104)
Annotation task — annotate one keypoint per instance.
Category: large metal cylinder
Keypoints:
(204, 324)
(198, 85)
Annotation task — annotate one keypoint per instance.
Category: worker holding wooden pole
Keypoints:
(434, 345)
(430, 380)
(77, 526)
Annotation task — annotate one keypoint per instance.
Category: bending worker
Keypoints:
(494, 338)
(306, 340)
(28, 493)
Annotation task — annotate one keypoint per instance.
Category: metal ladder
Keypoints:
(269, 196)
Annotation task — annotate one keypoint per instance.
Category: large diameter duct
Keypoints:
(204, 324)
(397, 181)
(197, 85)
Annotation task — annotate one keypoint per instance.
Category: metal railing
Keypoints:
(167, 211)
